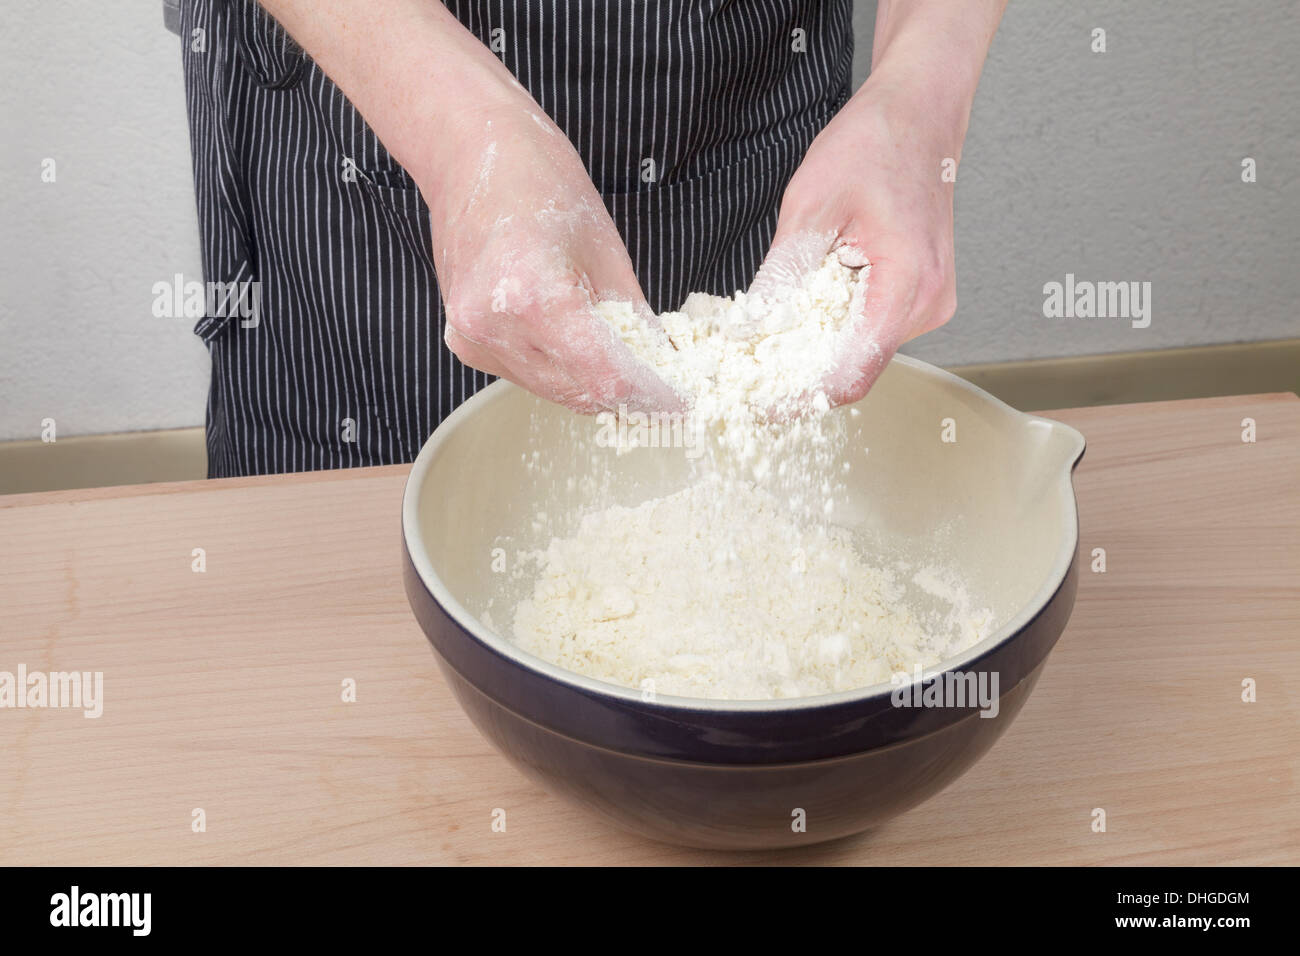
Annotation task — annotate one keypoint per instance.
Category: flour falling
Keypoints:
(739, 585)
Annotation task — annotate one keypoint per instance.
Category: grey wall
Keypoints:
(1126, 165)
(97, 88)
(1116, 166)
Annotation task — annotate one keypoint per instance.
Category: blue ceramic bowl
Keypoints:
(997, 503)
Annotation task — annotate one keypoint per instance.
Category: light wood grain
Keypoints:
(222, 689)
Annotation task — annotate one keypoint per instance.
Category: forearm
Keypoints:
(928, 54)
(413, 71)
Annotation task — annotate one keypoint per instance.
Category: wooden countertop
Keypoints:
(222, 689)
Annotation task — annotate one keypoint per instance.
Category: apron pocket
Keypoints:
(267, 52)
(403, 208)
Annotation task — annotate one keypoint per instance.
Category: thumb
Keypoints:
(615, 375)
(792, 256)
(879, 311)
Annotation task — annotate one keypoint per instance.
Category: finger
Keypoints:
(606, 371)
(527, 367)
(880, 310)
(473, 354)
(792, 256)
(603, 267)
(594, 354)
(538, 373)
(576, 359)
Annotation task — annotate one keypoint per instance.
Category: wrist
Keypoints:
(916, 108)
(450, 126)
(926, 63)
(423, 82)
(452, 102)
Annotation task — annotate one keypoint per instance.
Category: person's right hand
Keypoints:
(524, 248)
(522, 243)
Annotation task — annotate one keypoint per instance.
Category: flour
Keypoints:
(739, 586)
(716, 592)
(749, 359)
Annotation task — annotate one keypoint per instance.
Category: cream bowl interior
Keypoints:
(508, 470)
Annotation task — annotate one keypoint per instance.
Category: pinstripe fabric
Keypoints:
(346, 365)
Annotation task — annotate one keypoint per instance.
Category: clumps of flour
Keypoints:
(739, 586)
(752, 359)
(716, 592)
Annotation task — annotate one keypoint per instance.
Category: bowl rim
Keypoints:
(501, 645)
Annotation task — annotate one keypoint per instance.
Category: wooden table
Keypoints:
(222, 689)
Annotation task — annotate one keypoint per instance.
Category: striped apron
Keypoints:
(690, 115)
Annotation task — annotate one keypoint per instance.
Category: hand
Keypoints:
(522, 243)
(524, 248)
(870, 188)
(870, 185)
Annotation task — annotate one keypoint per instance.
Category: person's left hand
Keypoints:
(870, 188)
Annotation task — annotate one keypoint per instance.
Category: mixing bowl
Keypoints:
(942, 471)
